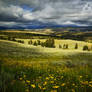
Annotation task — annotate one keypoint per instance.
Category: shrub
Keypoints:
(85, 47)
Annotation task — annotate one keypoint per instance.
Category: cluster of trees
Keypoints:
(65, 46)
(85, 47)
(48, 43)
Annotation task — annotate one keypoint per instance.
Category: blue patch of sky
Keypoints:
(26, 7)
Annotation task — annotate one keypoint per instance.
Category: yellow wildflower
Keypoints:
(20, 78)
(44, 88)
(51, 81)
(55, 86)
(53, 91)
(85, 82)
(33, 85)
(90, 85)
(28, 81)
(39, 86)
(47, 78)
(90, 82)
(73, 84)
(45, 83)
(51, 77)
(24, 76)
(63, 84)
(80, 76)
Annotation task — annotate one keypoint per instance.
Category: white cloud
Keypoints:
(58, 11)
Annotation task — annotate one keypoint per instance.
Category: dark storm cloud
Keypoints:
(58, 11)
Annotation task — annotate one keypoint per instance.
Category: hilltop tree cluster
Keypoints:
(48, 43)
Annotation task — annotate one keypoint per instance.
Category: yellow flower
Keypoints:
(85, 82)
(53, 91)
(80, 76)
(90, 82)
(44, 88)
(28, 81)
(73, 84)
(63, 84)
(51, 81)
(55, 86)
(20, 78)
(51, 77)
(90, 85)
(39, 86)
(33, 85)
(47, 78)
(45, 83)
(24, 76)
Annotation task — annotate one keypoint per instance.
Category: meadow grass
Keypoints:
(27, 68)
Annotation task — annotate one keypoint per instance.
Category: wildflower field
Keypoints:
(25, 68)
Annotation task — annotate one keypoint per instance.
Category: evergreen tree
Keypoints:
(66, 46)
(60, 46)
(38, 41)
(76, 46)
(49, 43)
(35, 43)
(30, 42)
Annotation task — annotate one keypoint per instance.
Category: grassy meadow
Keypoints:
(28, 68)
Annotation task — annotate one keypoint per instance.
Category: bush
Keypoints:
(85, 47)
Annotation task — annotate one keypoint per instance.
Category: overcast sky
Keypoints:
(62, 12)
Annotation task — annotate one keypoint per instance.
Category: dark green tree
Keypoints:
(85, 47)
(30, 42)
(76, 46)
(35, 43)
(39, 42)
(66, 46)
(60, 46)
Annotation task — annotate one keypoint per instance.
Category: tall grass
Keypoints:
(45, 78)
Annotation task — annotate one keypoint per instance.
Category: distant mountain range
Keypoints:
(40, 25)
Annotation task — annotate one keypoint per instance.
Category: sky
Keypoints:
(25, 13)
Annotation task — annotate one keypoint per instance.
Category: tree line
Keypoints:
(50, 42)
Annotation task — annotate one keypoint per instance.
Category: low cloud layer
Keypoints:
(62, 12)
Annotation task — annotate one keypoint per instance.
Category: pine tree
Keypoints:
(30, 42)
(60, 46)
(38, 41)
(76, 46)
(66, 46)
(35, 43)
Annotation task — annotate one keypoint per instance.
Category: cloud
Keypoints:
(78, 12)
